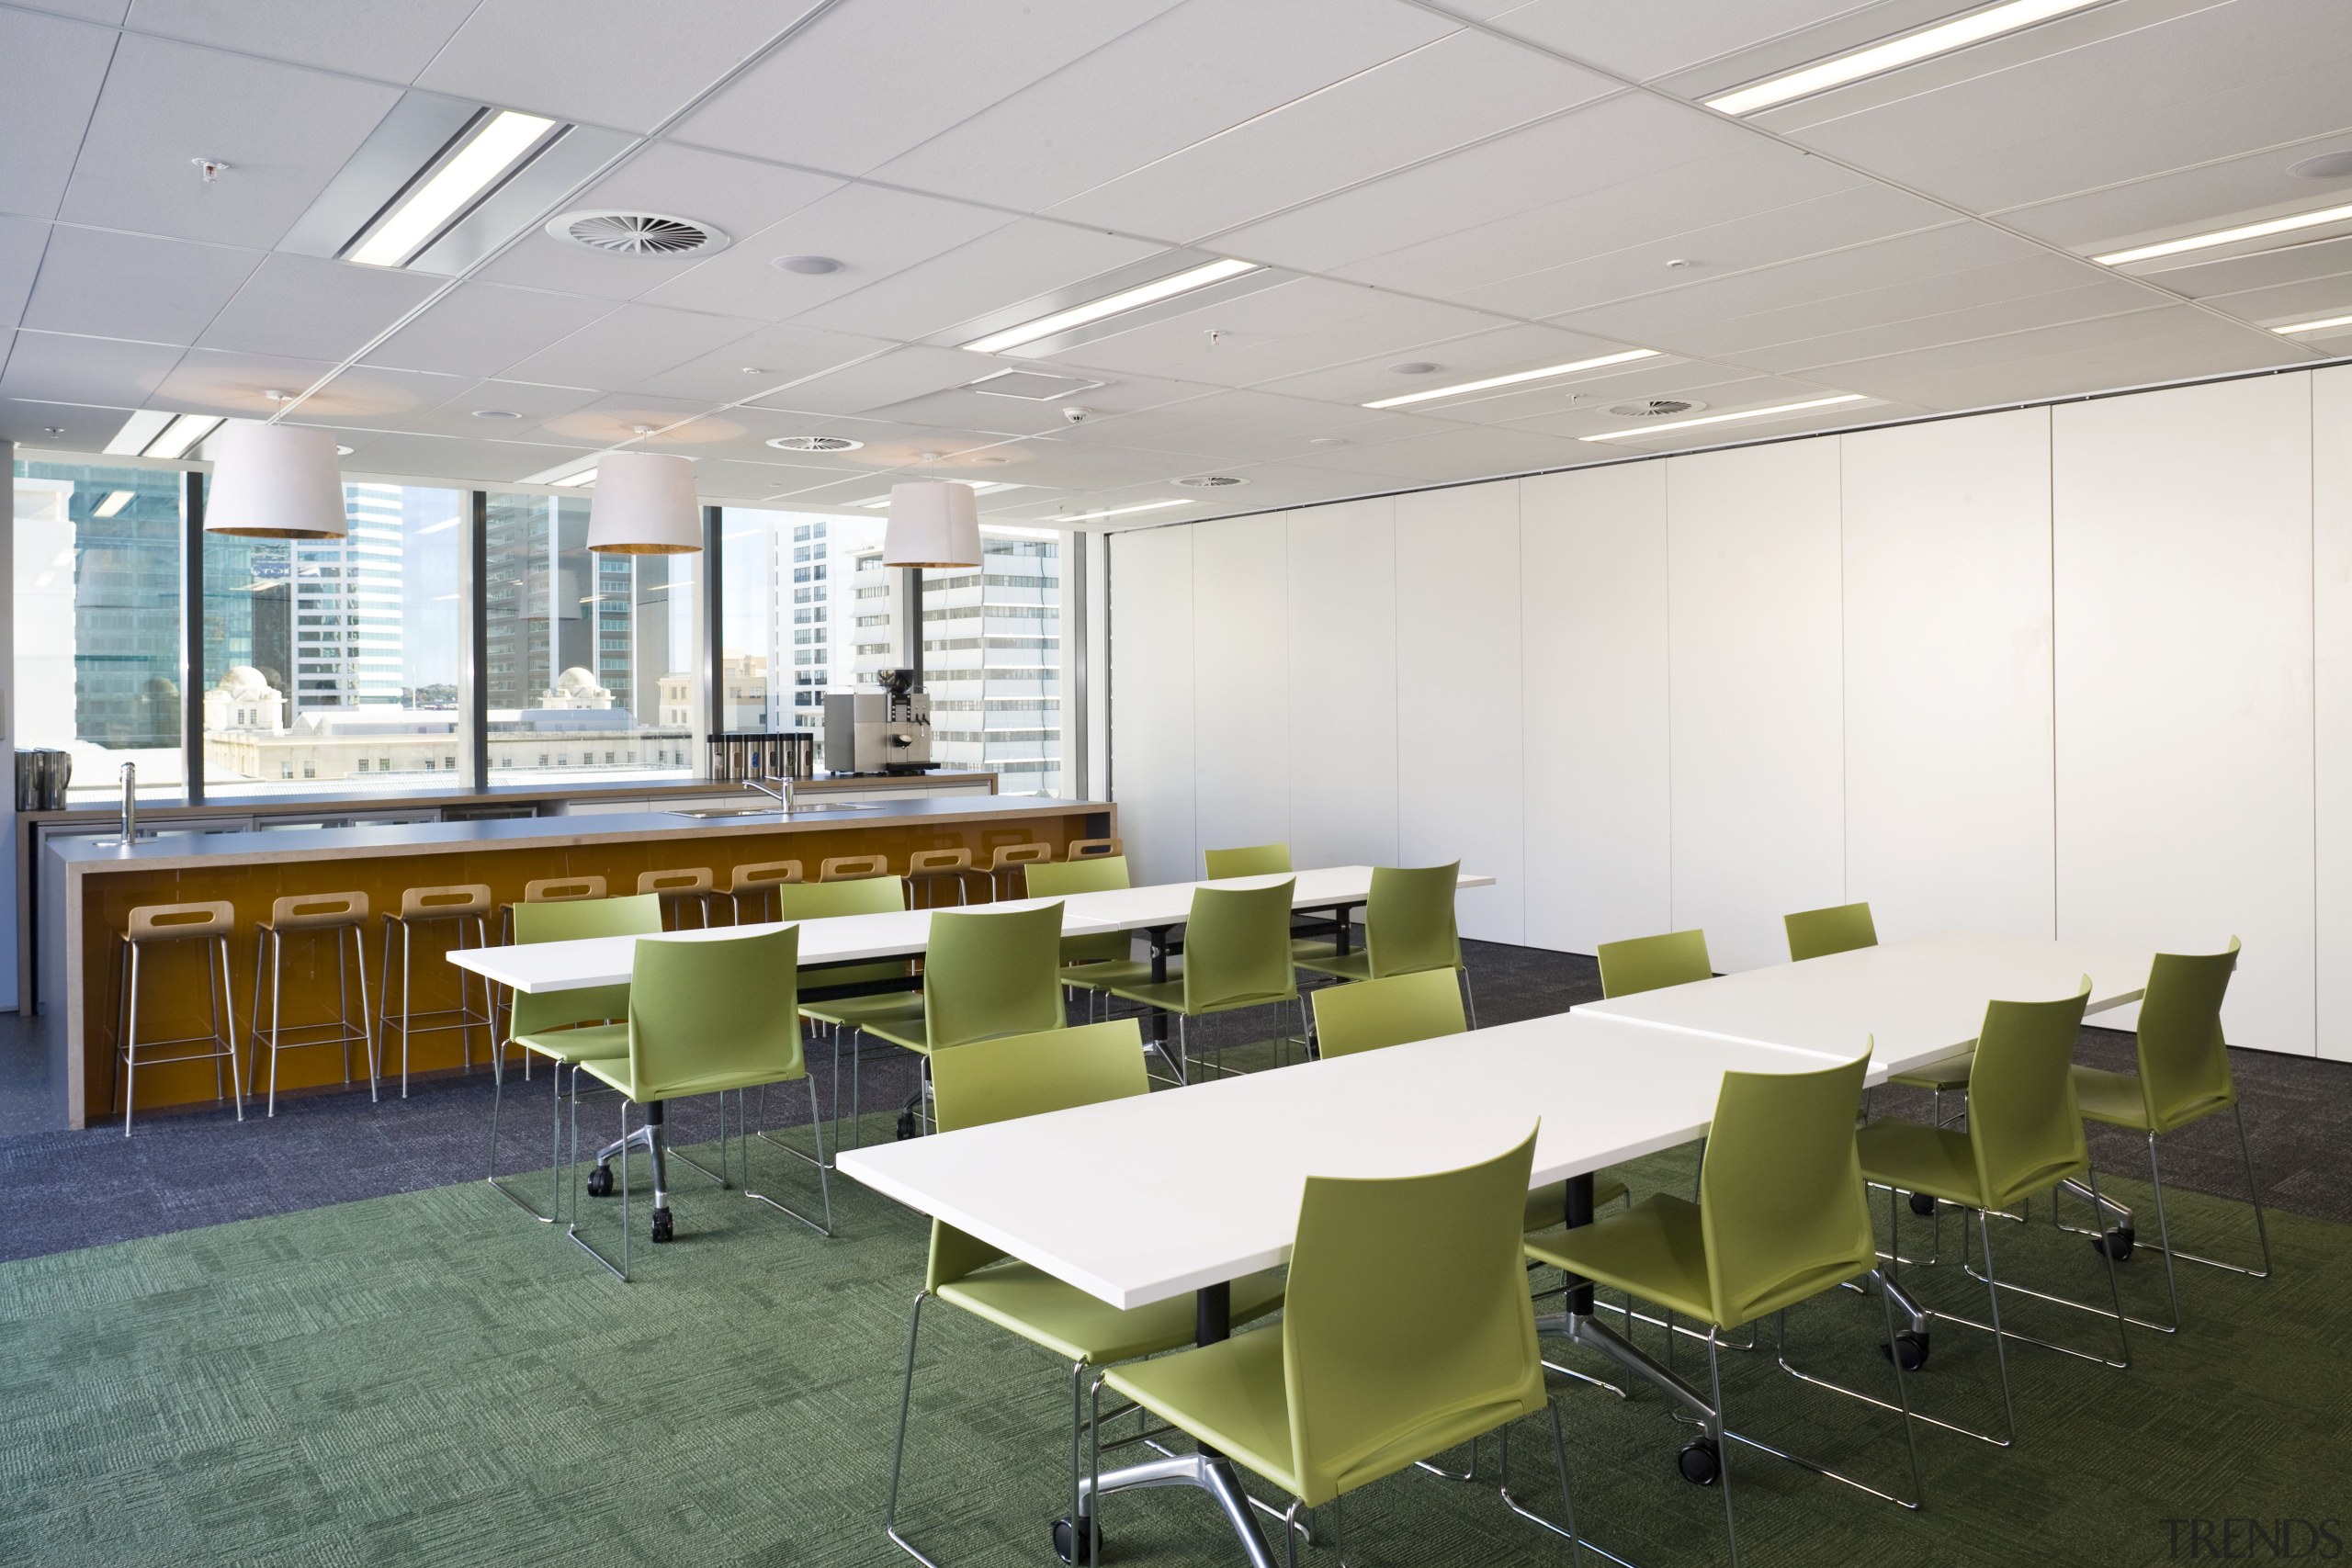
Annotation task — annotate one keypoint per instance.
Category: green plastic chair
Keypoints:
(2184, 1077)
(852, 1013)
(1408, 927)
(1257, 859)
(1816, 933)
(1237, 954)
(1407, 1330)
(1091, 963)
(710, 1016)
(544, 1024)
(1371, 1015)
(1031, 1075)
(1652, 963)
(986, 973)
(2024, 1136)
(1782, 1217)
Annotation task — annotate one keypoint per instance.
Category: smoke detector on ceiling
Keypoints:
(636, 233)
(1211, 481)
(814, 444)
(1655, 408)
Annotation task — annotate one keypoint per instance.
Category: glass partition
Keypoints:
(98, 629)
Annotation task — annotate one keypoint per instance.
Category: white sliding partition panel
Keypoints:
(1151, 701)
(1949, 819)
(1593, 611)
(1344, 739)
(1459, 685)
(1758, 698)
(1241, 685)
(2332, 704)
(2182, 528)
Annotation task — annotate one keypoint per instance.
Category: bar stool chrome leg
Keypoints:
(209, 923)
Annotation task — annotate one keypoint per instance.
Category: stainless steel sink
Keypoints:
(706, 813)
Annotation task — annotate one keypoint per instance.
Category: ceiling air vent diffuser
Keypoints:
(636, 233)
(1211, 481)
(1654, 408)
(814, 444)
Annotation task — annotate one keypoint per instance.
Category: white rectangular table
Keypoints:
(1602, 1089)
(1921, 1000)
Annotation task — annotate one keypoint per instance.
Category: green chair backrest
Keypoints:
(2184, 1067)
(860, 895)
(714, 1013)
(1816, 933)
(2023, 1121)
(1237, 947)
(1651, 963)
(1371, 1014)
(1025, 1075)
(1406, 1323)
(638, 915)
(1257, 859)
(1781, 1198)
(1409, 920)
(1098, 874)
(991, 972)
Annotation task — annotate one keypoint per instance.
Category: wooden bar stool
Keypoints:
(852, 868)
(458, 907)
(297, 914)
(151, 925)
(546, 890)
(1094, 849)
(694, 885)
(760, 882)
(1004, 870)
(930, 868)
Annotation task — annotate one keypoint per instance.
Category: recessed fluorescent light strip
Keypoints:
(2319, 326)
(1630, 355)
(183, 435)
(2228, 236)
(1720, 418)
(501, 143)
(114, 502)
(1124, 510)
(976, 488)
(584, 477)
(1878, 58)
(1112, 305)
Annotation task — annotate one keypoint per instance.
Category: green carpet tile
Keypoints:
(432, 1378)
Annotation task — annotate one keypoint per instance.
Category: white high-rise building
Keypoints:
(347, 650)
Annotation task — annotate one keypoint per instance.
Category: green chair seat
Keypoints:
(1938, 1077)
(1656, 1249)
(1117, 972)
(1231, 1396)
(1408, 927)
(1080, 1327)
(572, 1046)
(2119, 1100)
(1237, 955)
(1169, 994)
(1915, 1157)
(864, 1012)
(1325, 958)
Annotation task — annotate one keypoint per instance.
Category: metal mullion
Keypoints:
(192, 636)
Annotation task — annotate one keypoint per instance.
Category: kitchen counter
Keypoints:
(88, 888)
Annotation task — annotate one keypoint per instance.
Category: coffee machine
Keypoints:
(886, 732)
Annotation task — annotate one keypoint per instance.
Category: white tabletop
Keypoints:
(536, 967)
(1048, 1189)
(1923, 1000)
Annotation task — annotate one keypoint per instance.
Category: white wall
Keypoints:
(2082, 672)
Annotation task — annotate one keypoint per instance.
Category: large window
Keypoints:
(590, 658)
(330, 664)
(97, 622)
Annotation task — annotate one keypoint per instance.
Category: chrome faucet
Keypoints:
(130, 803)
(784, 795)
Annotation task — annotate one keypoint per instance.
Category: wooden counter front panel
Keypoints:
(173, 996)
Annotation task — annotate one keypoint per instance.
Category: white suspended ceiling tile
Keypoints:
(106, 12)
(2294, 263)
(872, 384)
(1617, 140)
(56, 368)
(1653, 317)
(106, 284)
(971, 404)
(2106, 354)
(1187, 73)
(1420, 105)
(870, 80)
(740, 196)
(22, 240)
(455, 414)
(1738, 182)
(1018, 261)
(316, 309)
(1496, 351)
(634, 342)
(872, 232)
(609, 62)
(1223, 422)
(779, 356)
(1720, 388)
(49, 73)
(2212, 83)
(388, 43)
(1303, 324)
(283, 130)
(427, 456)
(1648, 41)
(2319, 299)
(214, 381)
(2191, 200)
(2086, 303)
(479, 329)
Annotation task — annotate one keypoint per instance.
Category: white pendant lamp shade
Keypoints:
(933, 523)
(274, 482)
(644, 505)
